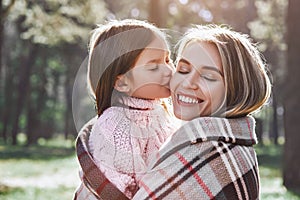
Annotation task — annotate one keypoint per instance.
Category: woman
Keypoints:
(220, 80)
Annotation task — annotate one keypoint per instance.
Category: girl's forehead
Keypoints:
(158, 43)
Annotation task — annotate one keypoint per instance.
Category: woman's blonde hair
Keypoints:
(247, 83)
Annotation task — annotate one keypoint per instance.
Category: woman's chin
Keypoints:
(184, 116)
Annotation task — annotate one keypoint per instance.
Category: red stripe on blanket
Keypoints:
(196, 176)
(148, 190)
(82, 154)
(101, 187)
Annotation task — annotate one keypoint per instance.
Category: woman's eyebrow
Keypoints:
(184, 61)
(203, 67)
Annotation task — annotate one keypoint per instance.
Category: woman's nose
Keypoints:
(190, 82)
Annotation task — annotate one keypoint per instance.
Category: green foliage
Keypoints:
(53, 22)
(269, 30)
(269, 26)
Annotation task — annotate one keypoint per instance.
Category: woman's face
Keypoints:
(197, 86)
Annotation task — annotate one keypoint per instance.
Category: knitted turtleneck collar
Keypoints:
(137, 103)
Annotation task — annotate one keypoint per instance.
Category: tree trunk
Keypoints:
(7, 104)
(291, 173)
(274, 125)
(2, 80)
(68, 111)
(6, 95)
(73, 58)
(37, 126)
(4, 11)
(1, 39)
(158, 13)
(30, 118)
(22, 90)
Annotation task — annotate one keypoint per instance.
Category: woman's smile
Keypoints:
(188, 99)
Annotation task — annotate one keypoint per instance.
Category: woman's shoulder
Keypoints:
(212, 165)
(238, 131)
(235, 130)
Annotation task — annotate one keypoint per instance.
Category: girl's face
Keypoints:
(151, 74)
(198, 84)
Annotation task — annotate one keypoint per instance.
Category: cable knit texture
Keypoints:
(124, 139)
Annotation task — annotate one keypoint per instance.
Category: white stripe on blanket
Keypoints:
(229, 169)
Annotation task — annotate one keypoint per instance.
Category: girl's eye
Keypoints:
(153, 67)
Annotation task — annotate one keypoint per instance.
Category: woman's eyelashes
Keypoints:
(208, 77)
(184, 69)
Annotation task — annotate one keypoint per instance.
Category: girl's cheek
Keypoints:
(173, 81)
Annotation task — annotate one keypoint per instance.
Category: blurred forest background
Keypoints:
(44, 42)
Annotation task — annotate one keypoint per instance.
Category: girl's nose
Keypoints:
(169, 70)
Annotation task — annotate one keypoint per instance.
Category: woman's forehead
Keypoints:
(202, 54)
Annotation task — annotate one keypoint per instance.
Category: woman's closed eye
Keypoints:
(183, 69)
(209, 77)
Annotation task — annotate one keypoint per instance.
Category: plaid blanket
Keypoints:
(207, 158)
(94, 184)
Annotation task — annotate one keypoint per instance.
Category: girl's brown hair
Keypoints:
(247, 84)
(114, 49)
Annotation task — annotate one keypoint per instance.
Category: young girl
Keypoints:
(129, 72)
(220, 80)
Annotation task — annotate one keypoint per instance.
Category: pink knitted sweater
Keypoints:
(124, 139)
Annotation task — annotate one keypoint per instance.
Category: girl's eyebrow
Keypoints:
(203, 67)
(153, 60)
(157, 59)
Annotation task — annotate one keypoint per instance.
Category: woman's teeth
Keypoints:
(186, 99)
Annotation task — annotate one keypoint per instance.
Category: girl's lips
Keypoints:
(188, 99)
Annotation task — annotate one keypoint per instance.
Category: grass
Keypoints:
(44, 171)
(48, 171)
(270, 170)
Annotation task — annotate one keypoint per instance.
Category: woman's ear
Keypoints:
(122, 84)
